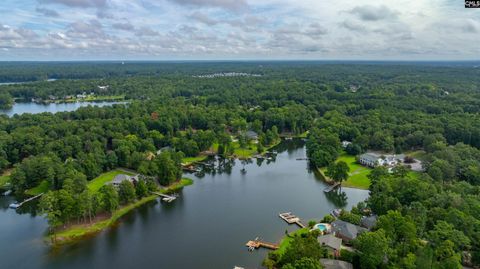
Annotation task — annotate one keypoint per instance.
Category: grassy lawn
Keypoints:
(96, 183)
(189, 160)
(251, 150)
(44, 186)
(358, 173)
(77, 231)
(4, 180)
(288, 239)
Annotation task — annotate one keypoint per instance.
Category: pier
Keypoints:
(18, 205)
(291, 219)
(331, 188)
(165, 197)
(257, 243)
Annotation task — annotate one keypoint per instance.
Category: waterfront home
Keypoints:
(122, 177)
(368, 222)
(252, 135)
(346, 231)
(331, 242)
(167, 148)
(372, 159)
(335, 264)
(345, 144)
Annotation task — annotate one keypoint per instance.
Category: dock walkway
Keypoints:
(291, 219)
(331, 187)
(18, 205)
(165, 197)
(257, 243)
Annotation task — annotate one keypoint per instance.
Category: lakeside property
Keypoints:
(73, 232)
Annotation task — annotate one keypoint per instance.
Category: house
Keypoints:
(122, 177)
(331, 242)
(167, 148)
(251, 135)
(346, 231)
(335, 264)
(368, 222)
(370, 159)
(345, 143)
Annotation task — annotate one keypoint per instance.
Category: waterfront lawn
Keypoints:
(44, 186)
(286, 241)
(74, 232)
(4, 180)
(251, 150)
(96, 183)
(190, 160)
(357, 177)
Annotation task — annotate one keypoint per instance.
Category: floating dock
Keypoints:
(291, 219)
(257, 243)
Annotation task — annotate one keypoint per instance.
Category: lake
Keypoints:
(206, 227)
(35, 108)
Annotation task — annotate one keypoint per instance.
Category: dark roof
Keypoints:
(330, 240)
(335, 264)
(346, 229)
(372, 157)
(369, 222)
(251, 134)
(122, 177)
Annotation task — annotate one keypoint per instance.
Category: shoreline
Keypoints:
(344, 183)
(78, 231)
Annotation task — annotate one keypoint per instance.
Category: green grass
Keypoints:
(358, 173)
(286, 241)
(190, 160)
(96, 183)
(44, 186)
(78, 231)
(4, 180)
(251, 150)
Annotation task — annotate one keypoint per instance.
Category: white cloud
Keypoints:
(215, 29)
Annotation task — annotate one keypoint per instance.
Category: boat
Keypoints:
(14, 205)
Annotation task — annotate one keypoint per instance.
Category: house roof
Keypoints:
(369, 222)
(372, 157)
(346, 229)
(251, 134)
(330, 240)
(122, 177)
(335, 264)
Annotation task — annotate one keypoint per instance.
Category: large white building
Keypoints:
(374, 159)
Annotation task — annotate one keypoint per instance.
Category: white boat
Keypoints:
(14, 205)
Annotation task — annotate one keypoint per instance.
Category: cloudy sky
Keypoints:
(238, 29)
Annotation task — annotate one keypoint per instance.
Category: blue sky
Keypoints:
(238, 29)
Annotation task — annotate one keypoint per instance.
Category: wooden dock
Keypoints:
(331, 188)
(291, 219)
(165, 197)
(18, 205)
(257, 243)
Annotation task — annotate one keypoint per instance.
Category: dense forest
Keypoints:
(428, 222)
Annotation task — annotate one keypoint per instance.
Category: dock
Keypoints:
(291, 219)
(18, 205)
(165, 197)
(257, 243)
(331, 188)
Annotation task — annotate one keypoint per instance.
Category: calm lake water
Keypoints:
(207, 227)
(34, 108)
